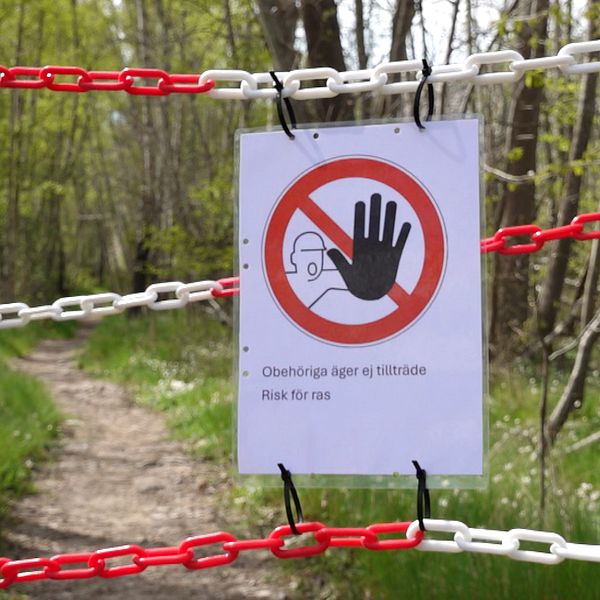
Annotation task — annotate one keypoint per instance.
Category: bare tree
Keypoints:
(149, 192)
(15, 135)
(450, 48)
(557, 268)
(279, 19)
(572, 396)
(360, 34)
(324, 46)
(401, 22)
(510, 294)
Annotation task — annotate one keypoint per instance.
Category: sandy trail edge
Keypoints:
(118, 479)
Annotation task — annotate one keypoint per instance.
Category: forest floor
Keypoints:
(117, 478)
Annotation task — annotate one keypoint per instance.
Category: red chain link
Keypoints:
(108, 81)
(230, 287)
(96, 563)
(536, 237)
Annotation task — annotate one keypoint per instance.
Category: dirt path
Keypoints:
(118, 479)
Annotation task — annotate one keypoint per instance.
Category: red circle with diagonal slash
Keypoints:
(297, 197)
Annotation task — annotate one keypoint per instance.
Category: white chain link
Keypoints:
(503, 543)
(511, 67)
(108, 303)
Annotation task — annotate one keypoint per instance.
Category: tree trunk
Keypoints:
(449, 49)
(148, 214)
(230, 33)
(279, 19)
(362, 103)
(360, 34)
(8, 263)
(510, 296)
(404, 13)
(553, 284)
(403, 16)
(325, 50)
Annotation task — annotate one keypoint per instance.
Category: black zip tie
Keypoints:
(430, 99)
(289, 489)
(280, 100)
(423, 498)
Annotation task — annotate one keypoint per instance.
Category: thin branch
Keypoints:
(507, 177)
(593, 326)
(585, 442)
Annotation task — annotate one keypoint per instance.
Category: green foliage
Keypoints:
(578, 167)
(518, 26)
(515, 154)
(534, 78)
(29, 421)
(556, 139)
(501, 24)
(105, 178)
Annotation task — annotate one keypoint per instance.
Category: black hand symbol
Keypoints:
(374, 262)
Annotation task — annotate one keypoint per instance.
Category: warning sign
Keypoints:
(349, 293)
(360, 321)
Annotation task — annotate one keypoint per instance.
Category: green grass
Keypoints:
(181, 364)
(18, 342)
(28, 422)
(177, 362)
(28, 419)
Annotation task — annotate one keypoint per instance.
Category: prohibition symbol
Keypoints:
(305, 241)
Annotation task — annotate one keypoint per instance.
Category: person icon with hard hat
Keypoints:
(310, 272)
(308, 255)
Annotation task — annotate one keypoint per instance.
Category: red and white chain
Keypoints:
(465, 539)
(506, 241)
(109, 303)
(252, 86)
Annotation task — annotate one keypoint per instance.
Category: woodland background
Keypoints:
(105, 191)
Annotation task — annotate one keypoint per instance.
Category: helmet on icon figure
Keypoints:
(308, 254)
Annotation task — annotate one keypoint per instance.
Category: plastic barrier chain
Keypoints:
(465, 539)
(260, 85)
(537, 237)
(34, 569)
(109, 303)
(108, 81)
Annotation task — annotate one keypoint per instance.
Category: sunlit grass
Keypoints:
(28, 419)
(18, 342)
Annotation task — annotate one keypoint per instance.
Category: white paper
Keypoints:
(331, 382)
